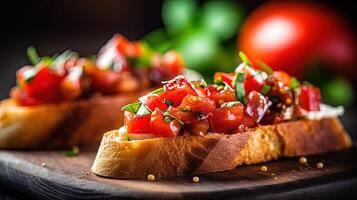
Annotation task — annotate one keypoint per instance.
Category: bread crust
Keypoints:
(60, 125)
(216, 152)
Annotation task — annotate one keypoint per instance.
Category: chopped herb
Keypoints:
(133, 107)
(244, 58)
(265, 67)
(143, 110)
(29, 75)
(265, 89)
(200, 83)
(33, 56)
(219, 81)
(63, 58)
(230, 104)
(275, 100)
(239, 87)
(158, 91)
(169, 102)
(294, 83)
(169, 118)
(142, 61)
(73, 152)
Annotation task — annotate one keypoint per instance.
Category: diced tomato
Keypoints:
(187, 117)
(22, 98)
(153, 101)
(257, 105)
(43, 87)
(310, 98)
(226, 119)
(246, 69)
(225, 77)
(138, 124)
(221, 96)
(282, 77)
(248, 121)
(253, 83)
(200, 128)
(176, 89)
(172, 63)
(197, 104)
(164, 127)
(71, 88)
(105, 81)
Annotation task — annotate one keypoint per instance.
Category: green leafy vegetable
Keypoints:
(219, 81)
(133, 107)
(239, 87)
(265, 67)
(158, 91)
(294, 83)
(265, 89)
(143, 110)
(169, 118)
(244, 58)
(33, 56)
(168, 102)
(72, 152)
(230, 104)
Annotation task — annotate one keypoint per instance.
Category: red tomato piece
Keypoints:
(164, 127)
(219, 96)
(310, 98)
(197, 104)
(253, 83)
(138, 124)
(153, 101)
(176, 89)
(187, 117)
(257, 105)
(172, 63)
(225, 119)
(225, 77)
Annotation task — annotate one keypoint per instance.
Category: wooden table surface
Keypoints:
(51, 175)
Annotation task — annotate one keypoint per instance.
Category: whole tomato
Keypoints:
(289, 36)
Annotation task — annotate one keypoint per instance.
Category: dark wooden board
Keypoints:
(70, 178)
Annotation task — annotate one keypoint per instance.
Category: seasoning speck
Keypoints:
(151, 177)
(196, 179)
(88, 173)
(320, 165)
(43, 164)
(302, 160)
(264, 168)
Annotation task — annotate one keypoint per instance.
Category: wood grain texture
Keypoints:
(70, 178)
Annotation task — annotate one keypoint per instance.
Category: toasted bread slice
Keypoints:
(60, 125)
(216, 152)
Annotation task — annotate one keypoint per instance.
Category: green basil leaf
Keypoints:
(294, 83)
(133, 107)
(244, 58)
(158, 91)
(230, 104)
(265, 67)
(219, 81)
(239, 87)
(265, 89)
(169, 102)
(33, 56)
(143, 110)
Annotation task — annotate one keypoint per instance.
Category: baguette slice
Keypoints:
(60, 125)
(216, 152)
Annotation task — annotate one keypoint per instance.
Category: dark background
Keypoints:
(85, 25)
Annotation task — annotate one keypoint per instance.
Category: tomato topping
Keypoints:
(138, 124)
(226, 119)
(42, 87)
(253, 83)
(164, 126)
(172, 63)
(197, 104)
(176, 89)
(310, 98)
(224, 77)
(282, 77)
(219, 96)
(257, 105)
(153, 101)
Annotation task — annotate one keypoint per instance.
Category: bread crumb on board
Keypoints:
(264, 168)
(196, 179)
(151, 177)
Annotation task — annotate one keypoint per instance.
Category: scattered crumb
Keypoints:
(303, 160)
(273, 174)
(275, 178)
(43, 164)
(264, 168)
(196, 179)
(88, 173)
(293, 170)
(151, 177)
(320, 165)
